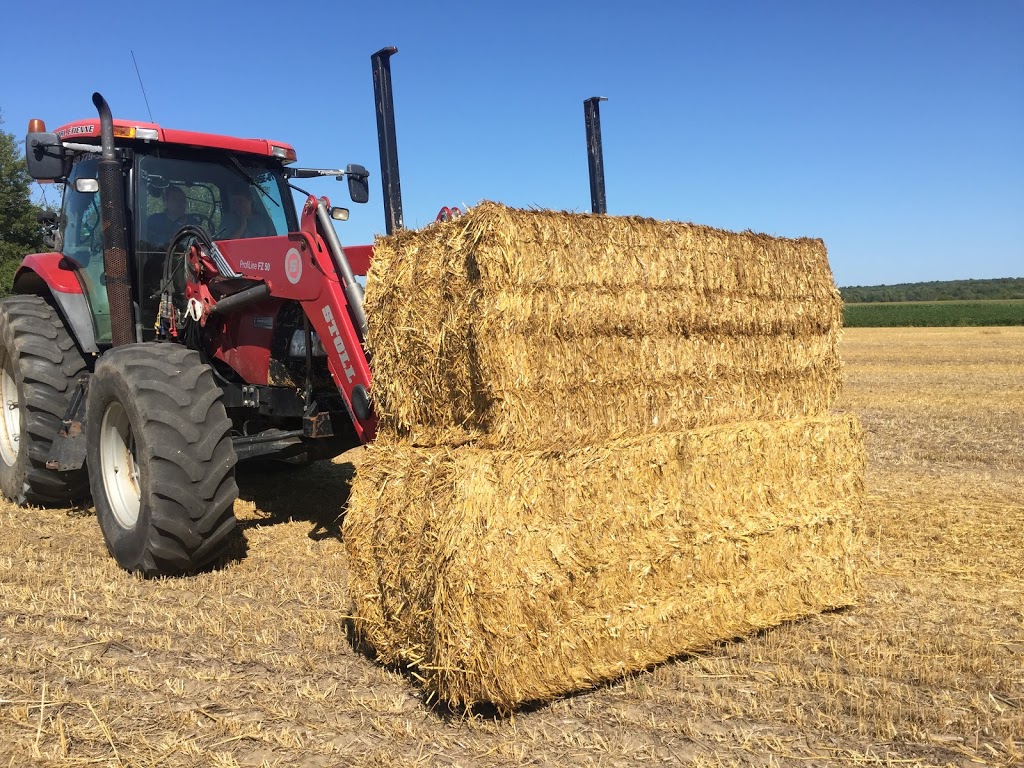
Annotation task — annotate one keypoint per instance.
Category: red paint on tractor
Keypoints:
(359, 257)
(316, 287)
(265, 258)
(56, 271)
(88, 131)
(243, 344)
(345, 358)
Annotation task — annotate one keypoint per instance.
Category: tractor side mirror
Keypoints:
(358, 184)
(44, 155)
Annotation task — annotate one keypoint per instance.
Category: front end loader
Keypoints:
(189, 317)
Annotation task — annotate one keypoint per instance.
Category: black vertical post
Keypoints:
(595, 155)
(390, 182)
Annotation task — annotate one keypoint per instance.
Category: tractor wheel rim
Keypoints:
(118, 466)
(10, 424)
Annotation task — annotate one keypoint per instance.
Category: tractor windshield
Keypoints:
(230, 196)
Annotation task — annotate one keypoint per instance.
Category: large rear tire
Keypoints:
(39, 370)
(161, 462)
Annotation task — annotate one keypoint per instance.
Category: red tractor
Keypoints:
(188, 318)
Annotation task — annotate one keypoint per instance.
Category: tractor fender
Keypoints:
(42, 273)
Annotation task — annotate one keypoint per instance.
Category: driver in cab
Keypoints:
(243, 219)
(161, 226)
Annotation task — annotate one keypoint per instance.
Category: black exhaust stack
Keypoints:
(390, 182)
(115, 235)
(595, 155)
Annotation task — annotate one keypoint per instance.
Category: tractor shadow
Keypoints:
(317, 493)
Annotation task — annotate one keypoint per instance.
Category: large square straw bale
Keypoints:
(509, 577)
(539, 329)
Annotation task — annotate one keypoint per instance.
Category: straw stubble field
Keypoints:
(250, 664)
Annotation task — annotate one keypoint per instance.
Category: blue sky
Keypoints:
(892, 130)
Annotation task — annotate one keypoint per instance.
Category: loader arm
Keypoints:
(300, 267)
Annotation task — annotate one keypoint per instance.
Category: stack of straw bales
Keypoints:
(604, 442)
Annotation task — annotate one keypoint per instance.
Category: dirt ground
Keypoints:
(249, 665)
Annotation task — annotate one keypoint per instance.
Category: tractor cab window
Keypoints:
(81, 236)
(230, 199)
(253, 207)
(172, 199)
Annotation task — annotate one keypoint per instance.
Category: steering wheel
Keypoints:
(198, 220)
(175, 257)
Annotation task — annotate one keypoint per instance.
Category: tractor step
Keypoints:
(67, 452)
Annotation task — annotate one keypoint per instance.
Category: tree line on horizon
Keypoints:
(938, 290)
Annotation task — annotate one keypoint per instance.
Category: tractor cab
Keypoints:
(233, 188)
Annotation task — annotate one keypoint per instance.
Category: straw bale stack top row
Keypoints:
(540, 329)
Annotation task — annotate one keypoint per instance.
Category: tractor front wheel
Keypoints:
(161, 462)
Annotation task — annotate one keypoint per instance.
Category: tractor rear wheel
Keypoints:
(161, 462)
(39, 370)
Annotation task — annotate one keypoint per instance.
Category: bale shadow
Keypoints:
(488, 711)
(316, 493)
(449, 713)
